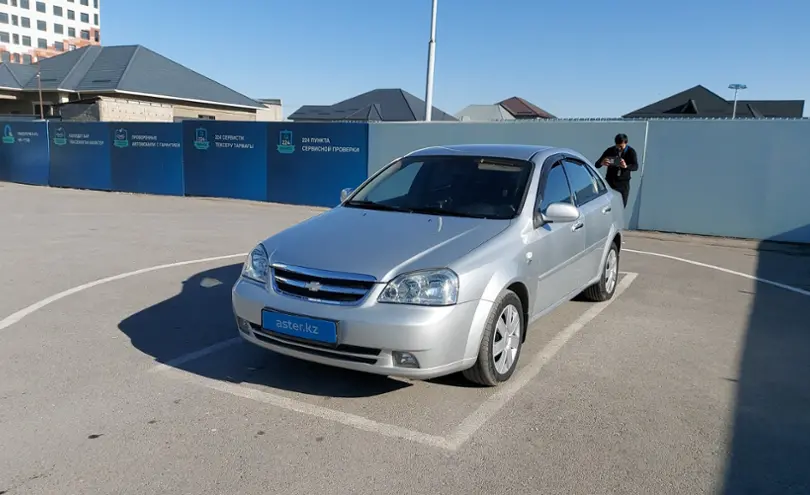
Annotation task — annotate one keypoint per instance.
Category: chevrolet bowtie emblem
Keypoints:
(313, 286)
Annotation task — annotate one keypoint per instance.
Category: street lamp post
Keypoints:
(430, 64)
(39, 89)
(736, 88)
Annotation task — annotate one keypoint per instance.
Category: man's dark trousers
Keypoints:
(623, 188)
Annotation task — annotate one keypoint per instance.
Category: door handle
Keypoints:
(577, 226)
(606, 210)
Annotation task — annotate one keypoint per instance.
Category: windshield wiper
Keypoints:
(442, 212)
(371, 205)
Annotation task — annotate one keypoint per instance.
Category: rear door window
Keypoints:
(583, 184)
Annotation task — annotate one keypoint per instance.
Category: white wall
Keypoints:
(740, 178)
(271, 113)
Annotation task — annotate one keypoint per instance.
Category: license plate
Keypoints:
(300, 327)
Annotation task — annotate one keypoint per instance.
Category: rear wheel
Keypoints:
(500, 344)
(606, 286)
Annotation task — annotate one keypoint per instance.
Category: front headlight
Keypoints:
(425, 288)
(257, 265)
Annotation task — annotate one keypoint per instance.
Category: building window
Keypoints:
(71, 15)
(71, 47)
(25, 22)
(97, 36)
(59, 46)
(3, 18)
(95, 19)
(4, 2)
(42, 43)
(58, 29)
(26, 58)
(15, 21)
(84, 17)
(42, 26)
(15, 57)
(57, 11)
(95, 4)
(15, 38)
(13, 3)
(6, 57)
(84, 2)
(26, 41)
(24, 4)
(4, 37)
(72, 32)
(85, 34)
(46, 109)
(41, 7)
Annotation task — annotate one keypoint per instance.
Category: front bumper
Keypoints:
(443, 340)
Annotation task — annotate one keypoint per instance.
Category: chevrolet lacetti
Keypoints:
(437, 263)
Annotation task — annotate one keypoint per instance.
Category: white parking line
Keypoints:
(333, 415)
(790, 288)
(457, 437)
(19, 315)
(195, 355)
(504, 394)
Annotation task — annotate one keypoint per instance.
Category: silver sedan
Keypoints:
(437, 263)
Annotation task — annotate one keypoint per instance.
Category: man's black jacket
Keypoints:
(616, 174)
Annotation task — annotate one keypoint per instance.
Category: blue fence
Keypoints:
(147, 158)
(303, 164)
(741, 178)
(24, 156)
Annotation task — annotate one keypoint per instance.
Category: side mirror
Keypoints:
(345, 193)
(559, 213)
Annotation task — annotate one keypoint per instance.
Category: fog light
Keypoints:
(244, 325)
(405, 359)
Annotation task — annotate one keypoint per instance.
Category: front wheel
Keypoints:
(606, 286)
(500, 344)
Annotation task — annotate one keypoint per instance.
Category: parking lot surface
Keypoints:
(120, 372)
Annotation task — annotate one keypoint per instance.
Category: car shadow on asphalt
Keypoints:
(770, 438)
(201, 316)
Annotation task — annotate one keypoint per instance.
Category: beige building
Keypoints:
(31, 30)
(122, 83)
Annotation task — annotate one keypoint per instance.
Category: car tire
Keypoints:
(608, 280)
(501, 326)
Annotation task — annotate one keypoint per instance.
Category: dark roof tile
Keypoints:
(127, 69)
(383, 105)
(700, 102)
(776, 108)
(16, 76)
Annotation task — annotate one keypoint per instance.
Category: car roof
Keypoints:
(510, 151)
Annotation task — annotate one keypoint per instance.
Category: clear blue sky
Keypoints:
(575, 58)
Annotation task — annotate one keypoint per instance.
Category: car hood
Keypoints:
(382, 244)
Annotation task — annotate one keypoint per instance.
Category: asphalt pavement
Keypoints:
(120, 372)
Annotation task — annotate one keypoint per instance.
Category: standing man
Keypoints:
(620, 160)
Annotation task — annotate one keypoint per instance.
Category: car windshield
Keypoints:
(464, 186)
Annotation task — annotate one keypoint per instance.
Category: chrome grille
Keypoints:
(320, 285)
(344, 352)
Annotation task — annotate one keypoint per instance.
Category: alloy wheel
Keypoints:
(611, 271)
(506, 339)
